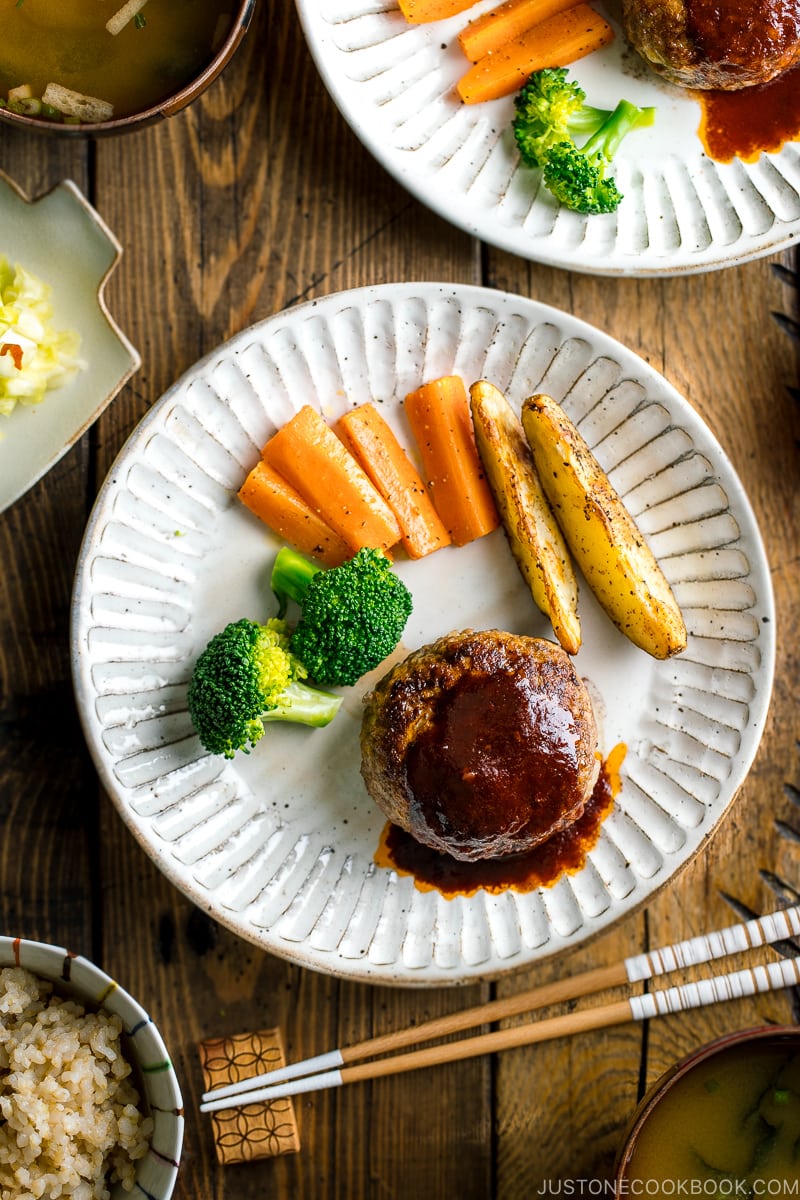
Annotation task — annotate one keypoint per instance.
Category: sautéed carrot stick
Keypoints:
(279, 506)
(419, 12)
(309, 455)
(561, 39)
(489, 32)
(372, 442)
(439, 415)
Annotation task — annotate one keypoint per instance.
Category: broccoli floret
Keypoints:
(550, 111)
(551, 108)
(246, 676)
(351, 616)
(579, 182)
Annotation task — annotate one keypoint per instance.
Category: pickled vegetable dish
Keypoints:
(35, 356)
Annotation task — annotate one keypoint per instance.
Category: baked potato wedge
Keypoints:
(536, 541)
(604, 539)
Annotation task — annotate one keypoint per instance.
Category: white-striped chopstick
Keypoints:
(331, 1069)
(713, 990)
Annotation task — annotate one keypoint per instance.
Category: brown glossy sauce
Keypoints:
(753, 120)
(502, 754)
(563, 853)
(731, 31)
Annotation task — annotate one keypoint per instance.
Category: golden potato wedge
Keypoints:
(533, 534)
(604, 539)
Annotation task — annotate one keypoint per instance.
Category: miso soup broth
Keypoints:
(732, 1121)
(159, 50)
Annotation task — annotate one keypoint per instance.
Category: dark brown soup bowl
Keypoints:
(727, 1116)
(165, 107)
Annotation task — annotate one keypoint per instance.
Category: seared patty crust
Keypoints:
(482, 744)
(717, 44)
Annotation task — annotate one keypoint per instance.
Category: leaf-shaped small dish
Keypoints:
(60, 238)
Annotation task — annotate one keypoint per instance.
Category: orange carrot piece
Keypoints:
(419, 12)
(559, 40)
(440, 420)
(279, 506)
(373, 444)
(488, 33)
(309, 455)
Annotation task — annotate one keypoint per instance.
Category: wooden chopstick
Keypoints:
(715, 989)
(733, 939)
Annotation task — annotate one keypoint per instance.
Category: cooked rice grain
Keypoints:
(70, 1124)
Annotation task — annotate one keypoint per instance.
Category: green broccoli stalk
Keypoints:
(351, 616)
(550, 110)
(576, 176)
(246, 676)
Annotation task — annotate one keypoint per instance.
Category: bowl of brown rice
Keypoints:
(90, 1106)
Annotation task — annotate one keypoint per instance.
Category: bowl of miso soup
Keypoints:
(724, 1121)
(104, 66)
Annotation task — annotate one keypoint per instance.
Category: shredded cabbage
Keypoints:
(34, 357)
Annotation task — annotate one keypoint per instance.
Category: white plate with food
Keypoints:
(682, 211)
(63, 243)
(280, 845)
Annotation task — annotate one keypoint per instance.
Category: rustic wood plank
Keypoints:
(259, 197)
(337, 219)
(551, 1127)
(47, 857)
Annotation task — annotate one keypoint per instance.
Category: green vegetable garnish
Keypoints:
(245, 677)
(351, 616)
(550, 111)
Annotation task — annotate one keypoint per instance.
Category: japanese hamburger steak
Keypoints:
(481, 744)
(722, 44)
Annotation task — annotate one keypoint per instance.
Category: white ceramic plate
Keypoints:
(279, 845)
(63, 240)
(682, 212)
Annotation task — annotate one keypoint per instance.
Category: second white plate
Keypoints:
(279, 845)
(682, 212)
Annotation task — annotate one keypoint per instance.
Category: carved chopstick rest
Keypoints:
(263, 1129)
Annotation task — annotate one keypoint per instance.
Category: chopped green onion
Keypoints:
(140, 20)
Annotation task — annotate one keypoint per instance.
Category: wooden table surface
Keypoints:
(256, 198)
